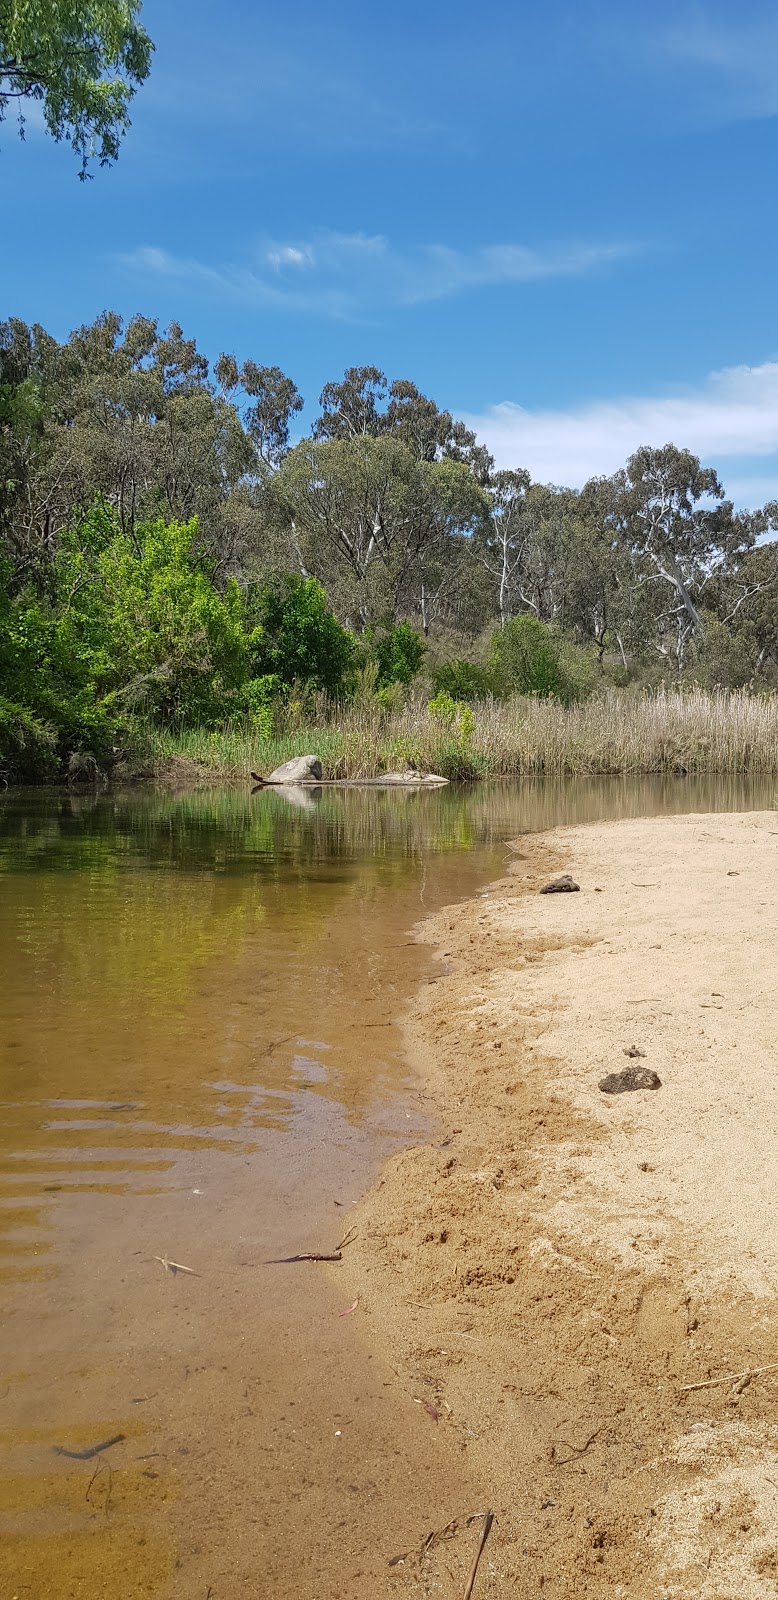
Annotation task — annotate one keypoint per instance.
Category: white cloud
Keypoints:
(732, 417)
(287, 255)
(353, 275)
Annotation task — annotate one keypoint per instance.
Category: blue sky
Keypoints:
(558, 219)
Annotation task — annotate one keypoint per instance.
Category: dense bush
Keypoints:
(295, 636)
(133, 626)
(528, 657)
(463, 680)
(398, 654)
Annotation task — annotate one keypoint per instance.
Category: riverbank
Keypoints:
(673, 732)
(548, 1273)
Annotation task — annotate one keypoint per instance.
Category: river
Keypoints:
(200, 1064)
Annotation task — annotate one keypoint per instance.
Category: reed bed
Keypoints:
(665, 731)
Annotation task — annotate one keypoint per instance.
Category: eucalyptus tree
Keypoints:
(81, 61)
(667, 517)
(28, 394)
(373, 523)
(269, 402)
(365, 403)
(504, 534)
(745, 600)
(144, 427)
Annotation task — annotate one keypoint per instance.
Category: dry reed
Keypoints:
(667, 731)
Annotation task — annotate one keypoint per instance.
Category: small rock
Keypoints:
(301, 769)
(563, 885)
(632, 1050)
(628, 1079)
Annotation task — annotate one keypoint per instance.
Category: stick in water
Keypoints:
(94, 1450)
(488, 1520)
(175, 1266)
(309, 1255)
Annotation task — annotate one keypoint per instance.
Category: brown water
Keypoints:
(199, 1062)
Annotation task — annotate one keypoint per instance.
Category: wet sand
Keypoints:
(542, 1278)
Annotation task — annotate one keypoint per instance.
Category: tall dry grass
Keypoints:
(667, 731)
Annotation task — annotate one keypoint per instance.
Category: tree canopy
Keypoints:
(82, 61)
(169, 549)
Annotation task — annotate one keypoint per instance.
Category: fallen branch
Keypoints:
(731, 1377)
(488, 1520)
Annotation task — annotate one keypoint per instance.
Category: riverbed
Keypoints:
(201, 1070)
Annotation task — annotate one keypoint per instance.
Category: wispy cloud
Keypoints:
(730, 419)
(741, 57)
(357, 275)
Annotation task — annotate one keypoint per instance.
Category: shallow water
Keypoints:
(199, 1062)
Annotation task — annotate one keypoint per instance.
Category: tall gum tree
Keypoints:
(667, 514)
(371, 521)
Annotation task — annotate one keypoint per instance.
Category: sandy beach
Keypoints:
(551, 1272)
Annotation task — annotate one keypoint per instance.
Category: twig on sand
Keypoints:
(731, 1377)
(488, 1520)
(176, 1266)
(439, 1536)
(575, 1449)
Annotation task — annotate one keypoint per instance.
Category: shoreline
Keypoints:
(549, 1272)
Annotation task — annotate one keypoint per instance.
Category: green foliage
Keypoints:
(398, 653)
(83, 61)
(257, 699)
(528, 657)
(133, 625)
(463, 680)
(724, 659)
(27, 746)
(297, 638)
(454, 757)
(144, 617)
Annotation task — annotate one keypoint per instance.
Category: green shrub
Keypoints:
(28, 747)
(295, 635)
(454, 756)
(463, 680)
(398, 653)
(528, 657)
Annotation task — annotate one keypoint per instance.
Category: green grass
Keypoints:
(669, 731)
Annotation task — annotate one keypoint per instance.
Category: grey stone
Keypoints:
(301, 769)
(629, 1079)
(563, 885)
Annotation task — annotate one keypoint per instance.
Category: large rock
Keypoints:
(301, 769)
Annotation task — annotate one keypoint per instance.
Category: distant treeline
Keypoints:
(166, 553)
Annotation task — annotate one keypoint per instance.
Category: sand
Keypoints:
(544, 1277)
